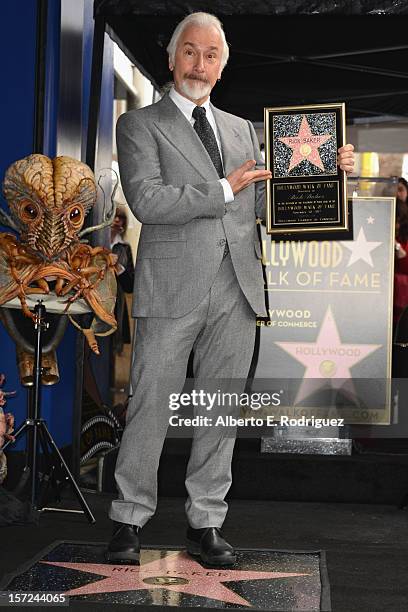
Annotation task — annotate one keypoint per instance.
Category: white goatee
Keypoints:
(195, 89)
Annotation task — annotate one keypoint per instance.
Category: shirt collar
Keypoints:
(185, 105)
(117, 240)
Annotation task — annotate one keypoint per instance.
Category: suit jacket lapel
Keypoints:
(175, 127)
(231, 142)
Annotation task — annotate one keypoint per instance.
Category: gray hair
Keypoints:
(201, 20)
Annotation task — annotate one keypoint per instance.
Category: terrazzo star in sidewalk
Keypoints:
(193, 578)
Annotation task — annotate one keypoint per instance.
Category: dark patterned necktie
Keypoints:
(206, 134)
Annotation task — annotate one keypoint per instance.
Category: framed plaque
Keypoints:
(306, 195)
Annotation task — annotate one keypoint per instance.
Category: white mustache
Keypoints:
(194, 77)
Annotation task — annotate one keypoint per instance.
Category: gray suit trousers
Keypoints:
(221, 330)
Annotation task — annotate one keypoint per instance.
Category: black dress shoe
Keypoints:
(124, 546)
(210, 546)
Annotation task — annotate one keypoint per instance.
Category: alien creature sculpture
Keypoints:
(49, 200)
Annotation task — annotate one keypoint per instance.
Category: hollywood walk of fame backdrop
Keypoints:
(260, 580)
(307, 192)
(328, 342)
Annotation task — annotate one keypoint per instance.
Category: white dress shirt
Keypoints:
(186, 106)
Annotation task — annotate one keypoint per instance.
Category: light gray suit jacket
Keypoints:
(172, 187)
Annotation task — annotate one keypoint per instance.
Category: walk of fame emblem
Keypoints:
(327, 346)
(260, 580)
(307, 192)
(321, 372)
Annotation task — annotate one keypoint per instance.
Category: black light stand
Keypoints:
(37, 432)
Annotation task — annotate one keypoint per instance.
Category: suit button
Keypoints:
(221, 242)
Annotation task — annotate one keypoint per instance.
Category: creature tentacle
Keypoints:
(67, 287)
(24, 306)
(43, 284)
(79, 293)
(90, 270)
(40, 290)
(59, 285)
(20, 258)
(90, 338)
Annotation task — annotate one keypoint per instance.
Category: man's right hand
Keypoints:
(243, 176)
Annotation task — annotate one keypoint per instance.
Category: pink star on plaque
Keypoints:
(327, 360)
(176, 572)
(305, 145)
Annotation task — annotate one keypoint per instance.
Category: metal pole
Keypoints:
(39, 312)
(38, 146)
(95, 93)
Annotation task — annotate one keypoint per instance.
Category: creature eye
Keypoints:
(75, 214)
(29, 212)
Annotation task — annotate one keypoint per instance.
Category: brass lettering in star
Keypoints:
(165, 580)
(305, 145)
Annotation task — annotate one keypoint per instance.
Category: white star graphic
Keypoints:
(360, 249)
(370, 220)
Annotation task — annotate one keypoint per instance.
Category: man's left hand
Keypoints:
(345, 158)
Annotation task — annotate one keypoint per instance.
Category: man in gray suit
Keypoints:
(193, 175)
